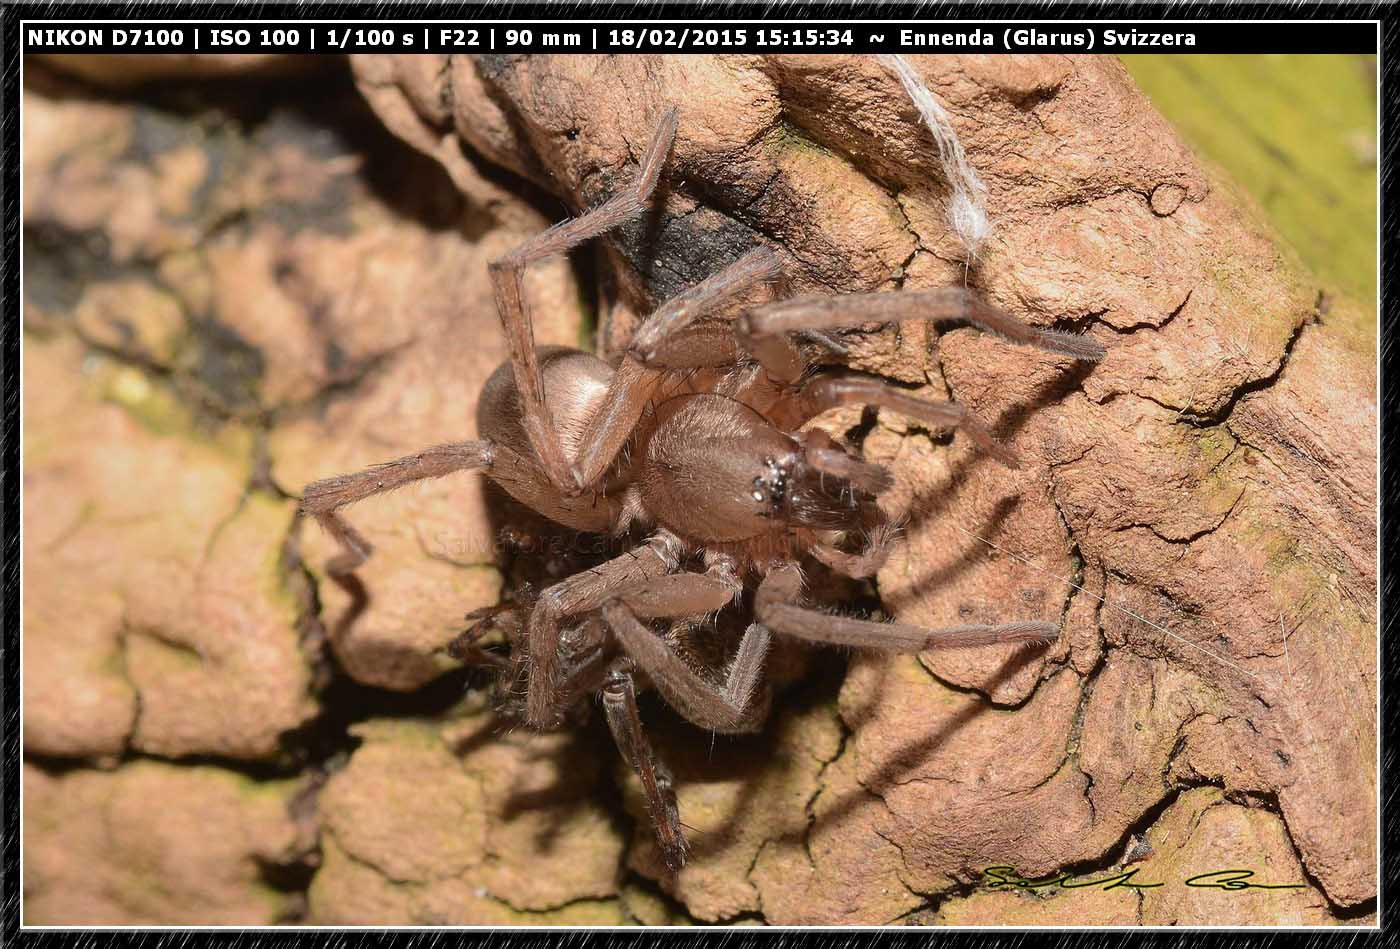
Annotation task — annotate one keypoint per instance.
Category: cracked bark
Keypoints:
(1207, 318)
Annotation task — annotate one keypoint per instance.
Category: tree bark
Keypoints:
(1199, 509)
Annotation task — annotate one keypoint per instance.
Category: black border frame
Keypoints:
(1388, 355)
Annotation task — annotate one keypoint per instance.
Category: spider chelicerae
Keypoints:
(694, 444)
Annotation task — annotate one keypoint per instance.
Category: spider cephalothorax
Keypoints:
(694, 444)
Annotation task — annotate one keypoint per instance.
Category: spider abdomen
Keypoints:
(575, 383)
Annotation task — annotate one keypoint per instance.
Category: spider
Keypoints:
(693, 444)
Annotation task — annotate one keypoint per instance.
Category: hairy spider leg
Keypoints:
(849, 388)
(465, 647)
(586, 677)
(687, 594)
(323, 499)
(514, 311)
(663, 340)
(948, 304)
(775, 605)
(579, 676)
(580, 593)
(722, 707)
(625, 723)
(765, 331)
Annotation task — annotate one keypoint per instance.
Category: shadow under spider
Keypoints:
(967, 558)
(1053, 391)
(927, 506)
(898, 764)
(559, 802)
(753, 753)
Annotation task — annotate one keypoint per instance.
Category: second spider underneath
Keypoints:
(694, 444)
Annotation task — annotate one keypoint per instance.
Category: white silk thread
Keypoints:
(966, 209)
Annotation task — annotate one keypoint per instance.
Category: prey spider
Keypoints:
(693, 444)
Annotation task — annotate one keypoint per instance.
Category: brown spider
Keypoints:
(693, 441)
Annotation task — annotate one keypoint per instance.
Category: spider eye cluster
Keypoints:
(771, 486)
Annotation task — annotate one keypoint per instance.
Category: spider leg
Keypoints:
(585, 677)
(686, 594)
(669, 339)
(580, 593)
(942, 305)
(625, 722)
(580, 675)
(864, 564)
(506, 280)
(776, 607)
(662, 339)
(329, 494)
(766, 332)
(824, 455)
(722, 707)
(847, 388)
(322, 499)
(465, 648)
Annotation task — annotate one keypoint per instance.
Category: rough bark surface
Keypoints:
(221, 310)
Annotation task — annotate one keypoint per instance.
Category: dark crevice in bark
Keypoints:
(1222, 415)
